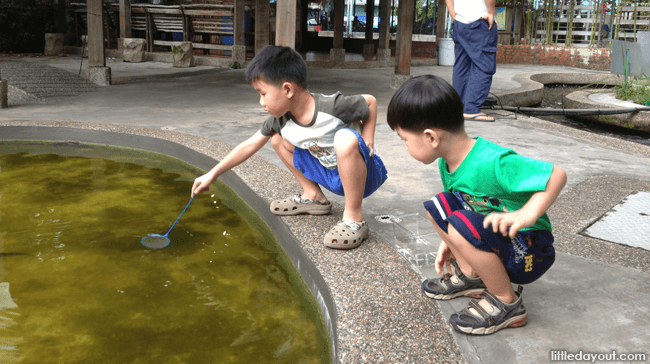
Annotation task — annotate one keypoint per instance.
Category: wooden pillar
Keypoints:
(95, 16)
(369, 45)
(239, 46)
(262, 9)
(384, 24)
(96, 72)
(404, 40)
(125, 19)
(339, 14)
(285, 23)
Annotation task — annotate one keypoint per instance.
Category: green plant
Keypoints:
(235, 65)
(637, 90)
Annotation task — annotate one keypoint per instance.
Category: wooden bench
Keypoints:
(202, 24)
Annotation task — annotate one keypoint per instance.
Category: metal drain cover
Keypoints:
(626, 223)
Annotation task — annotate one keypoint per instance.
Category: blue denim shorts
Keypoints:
(526, 257)
(329, 178)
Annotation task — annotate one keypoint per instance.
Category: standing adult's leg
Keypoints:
(462, 63)
(483, 43)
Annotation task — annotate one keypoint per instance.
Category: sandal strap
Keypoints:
(297, 199)
(481, 311)
(493, 300)
(356, 226)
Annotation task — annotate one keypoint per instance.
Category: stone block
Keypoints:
(4, 87)
(383, 55)
(399, 80)
(99, 75)
(54, 44)
(183, 54)
(337, 56)
(133, 49)
(239, 54)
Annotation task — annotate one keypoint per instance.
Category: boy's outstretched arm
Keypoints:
(509, 223)
(368, 131)
(236, 156)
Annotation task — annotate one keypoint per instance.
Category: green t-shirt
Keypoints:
(492, 178)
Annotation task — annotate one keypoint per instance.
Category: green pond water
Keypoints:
(84, 290)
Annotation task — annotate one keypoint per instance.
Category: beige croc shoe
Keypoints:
(295, 205)
(346, 235)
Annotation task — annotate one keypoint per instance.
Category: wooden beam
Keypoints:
(339, 13)
(95, 20)
(262, 8)
(285, 23)
(125, 19)
(404, 37)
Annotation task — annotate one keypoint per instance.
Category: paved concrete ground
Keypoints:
(594, 299)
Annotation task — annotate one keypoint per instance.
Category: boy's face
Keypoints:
(420, 146)
(274, 99)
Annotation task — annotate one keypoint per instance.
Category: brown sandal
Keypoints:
(295, 205)
(347, 235)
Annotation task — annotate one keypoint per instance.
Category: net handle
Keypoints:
(179, 216)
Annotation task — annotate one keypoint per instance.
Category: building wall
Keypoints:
(590, 58)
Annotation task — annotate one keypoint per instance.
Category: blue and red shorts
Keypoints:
(311, 168)
(526, 257)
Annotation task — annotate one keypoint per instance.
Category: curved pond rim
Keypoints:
(285, 237)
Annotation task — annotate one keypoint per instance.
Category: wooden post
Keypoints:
(239, 46)
(125, 19)
(150, 30)
(404, 37)
(285, 23)
(339, 14)
(369, 46)
(384, 24)
(95, 16)
(262, 9)
(404, 40)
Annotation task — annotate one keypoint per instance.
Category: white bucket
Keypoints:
(446, 52)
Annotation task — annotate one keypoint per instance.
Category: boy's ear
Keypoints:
(288, 89)
(433, 136)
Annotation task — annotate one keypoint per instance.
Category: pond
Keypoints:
(78, 287)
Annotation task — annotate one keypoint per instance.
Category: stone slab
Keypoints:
(627, 223)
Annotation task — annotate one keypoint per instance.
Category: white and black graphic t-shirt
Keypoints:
(332, 113)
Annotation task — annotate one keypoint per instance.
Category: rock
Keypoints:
(133, 49)
(54, 44)
(183, 54)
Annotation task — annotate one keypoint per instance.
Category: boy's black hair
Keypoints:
(275, 65)
(426, 102)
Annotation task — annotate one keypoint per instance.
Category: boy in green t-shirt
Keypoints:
(492, 216)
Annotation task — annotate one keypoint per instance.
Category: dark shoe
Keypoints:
(444, 289)
(504, 315)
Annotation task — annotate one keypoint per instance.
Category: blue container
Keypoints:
(177, 36)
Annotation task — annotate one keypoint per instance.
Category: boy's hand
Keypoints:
(443, 259)
(508, 223)
(201, 184)
(371, 146)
